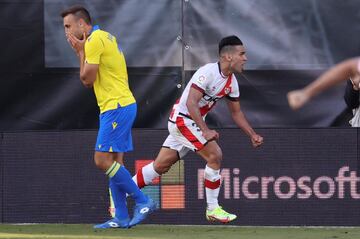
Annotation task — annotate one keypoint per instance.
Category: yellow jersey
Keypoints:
(111, 86)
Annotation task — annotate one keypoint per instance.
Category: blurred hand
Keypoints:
(256, 140)
(210, 135)
(297, 99)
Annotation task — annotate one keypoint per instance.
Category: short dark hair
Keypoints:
(79, 11)
(229, 41)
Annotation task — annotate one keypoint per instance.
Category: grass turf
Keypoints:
(79, 231)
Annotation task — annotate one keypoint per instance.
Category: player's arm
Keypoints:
(340, 72)
(88, 71)
(241, 121)
(192, 104)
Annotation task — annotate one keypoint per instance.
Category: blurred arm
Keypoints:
(340, 72)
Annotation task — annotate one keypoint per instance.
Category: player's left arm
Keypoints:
(241, 121)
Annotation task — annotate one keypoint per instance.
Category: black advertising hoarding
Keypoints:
(298, 177)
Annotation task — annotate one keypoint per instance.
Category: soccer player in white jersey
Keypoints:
(188, 130)
(348, 69)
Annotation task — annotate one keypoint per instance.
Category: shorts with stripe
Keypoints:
(184, 135)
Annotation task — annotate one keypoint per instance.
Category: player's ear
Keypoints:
(81, 22)
(228, 56)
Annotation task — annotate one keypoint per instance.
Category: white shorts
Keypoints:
(184, 135)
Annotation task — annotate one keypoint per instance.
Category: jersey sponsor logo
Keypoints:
(210, 99)
(201, 79)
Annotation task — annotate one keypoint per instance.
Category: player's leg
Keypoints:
(114, 138)
(117, 197)
(211, 152)
(168, 155)
(106, 161)
(128, 187)
(213, 156)
(186, 131)
(112, 209)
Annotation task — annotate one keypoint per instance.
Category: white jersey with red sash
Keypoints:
(214, 86)
(209, 80)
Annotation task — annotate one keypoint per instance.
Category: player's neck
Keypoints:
(88, 30)
(224, 69)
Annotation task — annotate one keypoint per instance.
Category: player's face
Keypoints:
(74, 26)
(238, 59)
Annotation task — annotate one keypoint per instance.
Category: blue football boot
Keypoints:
(141, 211)
(114, 223)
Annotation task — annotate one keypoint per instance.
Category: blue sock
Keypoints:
(121, 178)
(119, 199)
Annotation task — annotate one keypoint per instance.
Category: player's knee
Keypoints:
(215, 157)
(98, 162)
(102, 163)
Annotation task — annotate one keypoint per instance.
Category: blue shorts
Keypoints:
(115, 129)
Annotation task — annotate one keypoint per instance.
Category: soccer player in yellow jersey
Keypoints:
(103, 67)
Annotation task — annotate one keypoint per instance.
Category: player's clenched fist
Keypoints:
(297, 99)
(210, 135)
(257, 140)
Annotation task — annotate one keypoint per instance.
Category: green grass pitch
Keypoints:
(80, 231)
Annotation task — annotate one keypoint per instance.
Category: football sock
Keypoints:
(118, 200)
(212, 187)
(121, 178)
(145, 175)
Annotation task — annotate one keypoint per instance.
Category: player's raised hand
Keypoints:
(297, 99)
(256, 140)
(210, 135)
(75, 43)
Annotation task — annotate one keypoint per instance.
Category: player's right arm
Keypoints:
(88, 72)
(340, 72)
(192, 104)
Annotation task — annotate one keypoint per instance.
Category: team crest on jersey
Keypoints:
(227, 90)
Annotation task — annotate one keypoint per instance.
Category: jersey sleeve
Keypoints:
(234, 95)
(94, 47)
(200, 81)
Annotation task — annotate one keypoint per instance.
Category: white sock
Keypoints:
(145, 175)
(212, 187)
